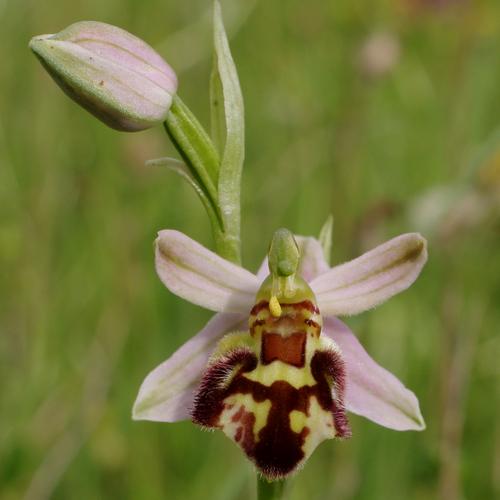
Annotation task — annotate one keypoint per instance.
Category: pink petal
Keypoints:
(200, 276)
(312, 262)
(263, 270)
(166, 395)
(120, 47)
(373, 278)
(372, 391)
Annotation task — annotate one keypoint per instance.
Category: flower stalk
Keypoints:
(202, 163)
(194, 146)
(270, 491)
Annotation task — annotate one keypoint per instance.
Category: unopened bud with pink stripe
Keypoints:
(113, 74)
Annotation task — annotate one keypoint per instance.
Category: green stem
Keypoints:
(270, 491)
(195, 147)
(203, 161)
(228, 247)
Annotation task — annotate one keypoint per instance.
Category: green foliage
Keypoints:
(84, 318)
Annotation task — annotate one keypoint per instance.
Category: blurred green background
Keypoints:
(386, 114)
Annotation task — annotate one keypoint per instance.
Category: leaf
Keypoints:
(194, 145)
(234, 146)
(217, 118)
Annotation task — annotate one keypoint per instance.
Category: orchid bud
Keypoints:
(113, 74)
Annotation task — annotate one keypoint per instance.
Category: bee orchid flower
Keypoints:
(275, 369)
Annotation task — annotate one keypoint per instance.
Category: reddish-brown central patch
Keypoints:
(290, 349)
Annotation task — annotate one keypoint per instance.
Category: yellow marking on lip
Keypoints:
(298, 421)
(259, 409)
(321, 424)
(277, 370)
(232, 341)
